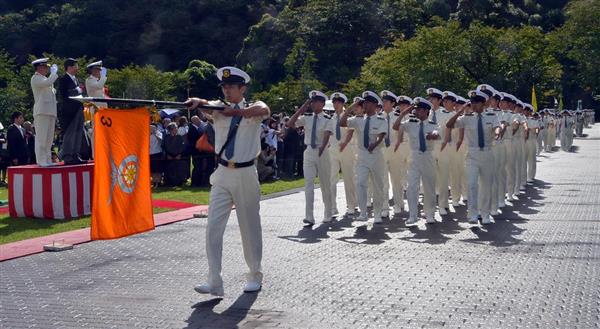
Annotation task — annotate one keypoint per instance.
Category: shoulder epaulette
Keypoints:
(308, 114)
(380, 118)
(433, 123)
(413, 120)
(468, 114)
(327, 117)
(490, 114)
(444, 111)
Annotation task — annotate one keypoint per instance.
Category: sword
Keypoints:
(141, 102)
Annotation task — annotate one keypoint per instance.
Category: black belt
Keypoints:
(233, 165)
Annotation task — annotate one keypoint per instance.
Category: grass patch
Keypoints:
(15, 229)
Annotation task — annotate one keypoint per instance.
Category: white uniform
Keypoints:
(457, 168)
(518, 149)
(343, 160)
(541, 137)
(95, 88)
(400, 161)
(369, 165)
(395, 164)
(44, 115)
(510, 154)
(314, 165)
(237, 187)
(442, 158)
(421, 167)
(531, 144)
(497, 152)
(566, 133)
(479, 160)
(551, 133)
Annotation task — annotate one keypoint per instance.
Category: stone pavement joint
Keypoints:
(537, 267)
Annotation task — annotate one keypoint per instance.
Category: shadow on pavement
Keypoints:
(204, 316)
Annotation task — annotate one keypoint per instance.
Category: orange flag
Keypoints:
(122, 201)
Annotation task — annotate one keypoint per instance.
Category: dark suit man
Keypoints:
(17, 146)
(70, 116)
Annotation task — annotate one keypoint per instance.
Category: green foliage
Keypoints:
(200, 79)
(145, 82)
(288, 94)
(12, 97)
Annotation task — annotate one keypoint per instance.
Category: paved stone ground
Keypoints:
(537, 267)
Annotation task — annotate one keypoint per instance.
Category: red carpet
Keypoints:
(171, 204)
(3, 210)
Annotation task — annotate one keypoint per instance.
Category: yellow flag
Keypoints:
(533, 99)
(122, 201)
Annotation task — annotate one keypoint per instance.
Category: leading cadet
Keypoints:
(393, 160)
(44, 109)
(235, 181)
(341, 153)
(421, 134)
(480, 130)
(317, 130)
(370, 131)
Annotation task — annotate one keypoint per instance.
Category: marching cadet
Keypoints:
(342, 156)
(235, 181)
(542, 122)
(402, 153)
(579, 123)
(506, 169)
(458, 186)
(421, 134)
(370, 131)
(533, 130)
(566, 131)
(44, 109)
(449, 102)
(508, 105)
(480, 130)
(550, 131)
(392, 158)
(317, 130)
(491, 109)
(519, 148)
(439, 116)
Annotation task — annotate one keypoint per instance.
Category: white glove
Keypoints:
(53, 69)
(103, 72)
(78, 90)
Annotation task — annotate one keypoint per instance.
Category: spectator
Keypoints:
(292, 142)
(15, 138)
(195, 131)
(175, 147)
(264, 163)
(207, 159)
(156, 155)
(3, 156)
(30, 139)
(182, 126)
(162, 127)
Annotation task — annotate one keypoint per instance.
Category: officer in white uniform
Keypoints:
(44, 109)
(480, 130)
(458, 180)
(491, 109)
(518, 144)
(550, 131)
(566, 131)
(342, 155)
(421, 168)
(524, 130)
(448, 151)
(401, 152)
(235, 181)
(369, 131)
(94, 86)
(531, 134)
(439, 116)
(392, 159)
(317, 131)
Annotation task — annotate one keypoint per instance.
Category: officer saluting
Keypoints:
(44, 109)
(480, 130)
(317, 130)
(392, 158)
(421, 165)
(370, 131)
(235, 181)
(342, 156)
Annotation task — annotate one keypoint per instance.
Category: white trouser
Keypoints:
(564, 139)
(396, 165)
(523, 162)
(457, 172)
(493, 205)
(550, 139)
(421, 168)
(479, 174)
(541, 140)
(315, 165)
(344, 161)
(497, 195)
(239, 188)
(44, 136)
(509, 165)
(370, 166)
(500, 173)
(442, 173)
(531, 159)
(465, 183)
(518, 155)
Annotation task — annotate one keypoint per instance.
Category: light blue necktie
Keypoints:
(422, 145)
(366, 132)
(481, 141)
(313, 133)
(434, 119)
(235, 121)
(338, 130)
(387, 136)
